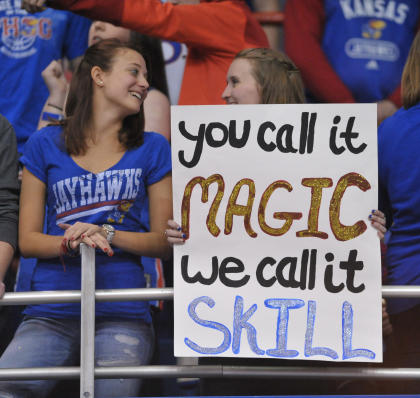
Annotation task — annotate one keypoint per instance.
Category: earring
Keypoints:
(99, 82)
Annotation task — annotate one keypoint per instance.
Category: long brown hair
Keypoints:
(410, 81)
(278, 77)
(79, 101)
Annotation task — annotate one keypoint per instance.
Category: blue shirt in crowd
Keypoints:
(367, 43)
(28, 43)
(399, 197)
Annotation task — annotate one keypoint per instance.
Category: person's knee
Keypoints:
(123, 343)
(25, 389)
(4, 394)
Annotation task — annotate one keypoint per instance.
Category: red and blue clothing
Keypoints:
(28, 43)
(351, 50)
(214, 32)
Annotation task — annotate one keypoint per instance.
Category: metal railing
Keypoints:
(87, 372)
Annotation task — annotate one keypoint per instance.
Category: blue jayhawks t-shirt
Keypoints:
(367, 43)
(28, 43)
(115, 196)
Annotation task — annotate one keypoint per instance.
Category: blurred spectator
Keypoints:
(157, 110)
(8, 226)
(399, 173)
(175, 55)
(214, 31)
(8, 197)
(28, 44)
(352, 51)
(274, 32)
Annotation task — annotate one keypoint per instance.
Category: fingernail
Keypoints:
(370, 216)
(65, 240)
(93, 245)
(83, 236)
(105, 250)
(179, 229)
(72, 238)
(373, 211)
(110, 254)
(184, 236)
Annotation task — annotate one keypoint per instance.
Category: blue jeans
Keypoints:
(45, 342)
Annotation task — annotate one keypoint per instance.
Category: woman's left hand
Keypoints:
(91, 234)
(174, 233)
(378, 221)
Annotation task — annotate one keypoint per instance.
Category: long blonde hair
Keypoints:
(410, 81)
(278, 77)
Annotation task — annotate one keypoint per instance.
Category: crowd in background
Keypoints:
(63, 67)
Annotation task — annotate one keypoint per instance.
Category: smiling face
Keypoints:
(241, 87)
(103, 30)
(125, 85)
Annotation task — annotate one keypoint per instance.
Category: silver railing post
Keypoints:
(87, 323)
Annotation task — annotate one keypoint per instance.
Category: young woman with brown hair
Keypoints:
(94, 171)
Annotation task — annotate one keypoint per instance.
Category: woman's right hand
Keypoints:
(174, 233)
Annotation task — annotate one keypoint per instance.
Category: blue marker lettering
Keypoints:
(283, 305)
(347, 322)
(309, 350)
(208, 324)
(240, 321)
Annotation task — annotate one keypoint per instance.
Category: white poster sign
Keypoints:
(280, 259)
